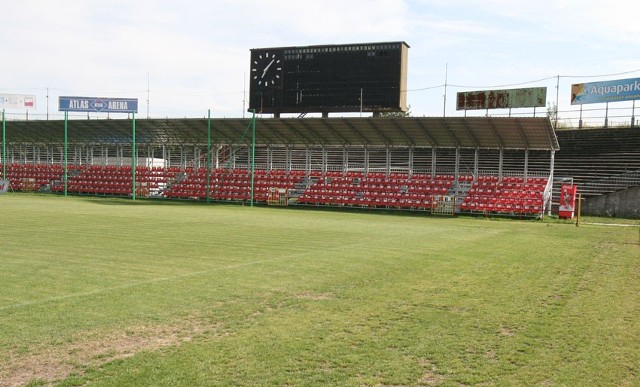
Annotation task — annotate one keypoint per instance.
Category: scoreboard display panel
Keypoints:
(367, 77)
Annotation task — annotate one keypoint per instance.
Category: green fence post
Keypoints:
(134, 162)
(208, 190)
(66, 150)
(4, 147)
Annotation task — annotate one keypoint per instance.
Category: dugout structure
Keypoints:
(399, 162)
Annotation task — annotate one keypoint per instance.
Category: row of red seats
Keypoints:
(233, 185)
(32, 177)
(222, 193)
(376, 191)
(513, 195)
(101, 189)
(114, 180)
(511, 179)
(408, 202)
(384, 175)
(103, 179)
(527, 207)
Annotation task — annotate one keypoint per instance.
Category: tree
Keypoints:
(552, 113)
(397, 114)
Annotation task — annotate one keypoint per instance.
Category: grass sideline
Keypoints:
(111, 292)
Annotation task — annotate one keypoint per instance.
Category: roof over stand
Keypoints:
(435, 132)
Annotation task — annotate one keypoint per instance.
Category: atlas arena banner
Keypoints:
(100, 105)
(568, 194)
(607, 91)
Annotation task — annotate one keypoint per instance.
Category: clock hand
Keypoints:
(267, 68)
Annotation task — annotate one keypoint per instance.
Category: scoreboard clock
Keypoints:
(362, 77)
(266, 70)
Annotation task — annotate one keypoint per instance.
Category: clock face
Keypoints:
(266, 69)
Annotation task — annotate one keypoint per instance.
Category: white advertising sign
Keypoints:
(17, 101)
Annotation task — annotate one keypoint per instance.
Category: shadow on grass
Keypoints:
(146, 201)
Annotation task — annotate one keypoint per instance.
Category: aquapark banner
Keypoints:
(606, 91)
(568, 194)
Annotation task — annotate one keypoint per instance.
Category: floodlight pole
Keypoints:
(148, 92)
(446, 78)
(555, 126)
(579, 121)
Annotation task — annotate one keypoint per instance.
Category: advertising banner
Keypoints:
(502, 99)
(17, 101)
(100, 105)
(606, 91)
(568, 194)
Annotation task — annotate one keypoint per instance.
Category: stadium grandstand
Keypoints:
(474, 165)
(600, 160)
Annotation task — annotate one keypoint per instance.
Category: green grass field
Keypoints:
(146, 293)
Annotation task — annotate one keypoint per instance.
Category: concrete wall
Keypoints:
(621, 204)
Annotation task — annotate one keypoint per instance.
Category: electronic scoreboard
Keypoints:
(363, 77)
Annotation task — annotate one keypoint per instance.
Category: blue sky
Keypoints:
(193, 55)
